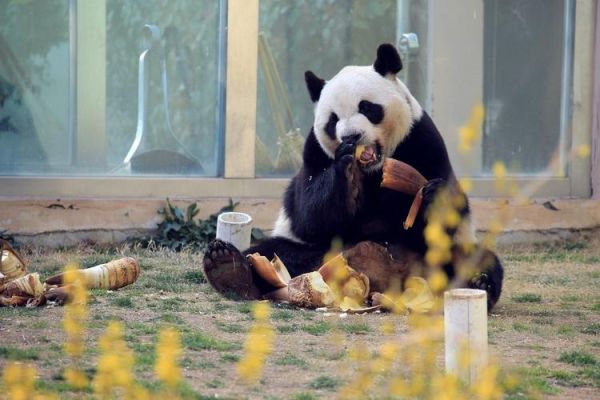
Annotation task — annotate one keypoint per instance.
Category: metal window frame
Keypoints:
(240, 120)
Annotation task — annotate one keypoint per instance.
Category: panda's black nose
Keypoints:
(352, 138)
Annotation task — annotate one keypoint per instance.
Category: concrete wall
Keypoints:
(68, 222)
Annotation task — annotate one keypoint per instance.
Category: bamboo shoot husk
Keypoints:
(268, 271)
(12, 266)
(28, 285)
(400, 176)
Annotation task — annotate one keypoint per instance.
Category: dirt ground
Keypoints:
(545, 329)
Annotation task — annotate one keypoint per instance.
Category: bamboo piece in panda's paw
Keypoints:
(400, 176)
(112, 275)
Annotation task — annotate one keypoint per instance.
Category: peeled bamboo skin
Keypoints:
(12, 266)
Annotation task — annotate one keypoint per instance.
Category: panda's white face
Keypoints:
(361, 101)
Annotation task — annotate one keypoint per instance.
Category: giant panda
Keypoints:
(334, 196)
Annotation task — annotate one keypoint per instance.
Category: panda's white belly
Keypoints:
(283, 227)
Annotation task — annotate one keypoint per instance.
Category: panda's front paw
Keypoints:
(344, 156)
(345, 151)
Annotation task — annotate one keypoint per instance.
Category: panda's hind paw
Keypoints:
(480, 281)
(483, 281)
(228, 271)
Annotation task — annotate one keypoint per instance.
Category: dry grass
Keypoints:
(546, 327)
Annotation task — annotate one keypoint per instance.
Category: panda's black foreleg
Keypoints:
(326, 200)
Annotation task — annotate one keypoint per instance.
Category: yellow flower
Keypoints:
(168, 351)
(486, 386)
(583, 151)
(452, 219)
(447, 387)
(74, 323)
(258, 345)
(75, 378)
(115, 363)
(388, 350)
(262, 311)
(434, 232)
(471, 132)
(438, 280)
(19, 380)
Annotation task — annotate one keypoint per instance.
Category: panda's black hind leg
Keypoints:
(228, 271)
(489, 278)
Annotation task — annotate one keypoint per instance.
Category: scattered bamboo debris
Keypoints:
(19, 288)
(338, 286)
(12, 265)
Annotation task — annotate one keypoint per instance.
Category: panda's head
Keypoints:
(365, 104)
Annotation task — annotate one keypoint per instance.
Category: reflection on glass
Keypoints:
(183, 94)
(526, 82)
(178, 127)
(322, 36)
(34, 87)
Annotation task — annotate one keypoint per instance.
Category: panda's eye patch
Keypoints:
(373, 112)
(330, 127)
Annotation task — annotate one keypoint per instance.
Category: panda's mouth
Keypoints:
(368, 156)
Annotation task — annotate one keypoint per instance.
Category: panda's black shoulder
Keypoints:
(424, 149)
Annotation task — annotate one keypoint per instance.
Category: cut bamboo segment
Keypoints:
(310, 290)
(400, 176)
(112, 275)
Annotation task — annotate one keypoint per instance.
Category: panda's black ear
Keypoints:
(314, 85)
(388, 60)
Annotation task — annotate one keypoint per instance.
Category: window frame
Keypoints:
(88, 41)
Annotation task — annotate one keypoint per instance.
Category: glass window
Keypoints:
(527, 53)
(514, 57)
(35, 135)
(321, 36)
(180, 122)
(137, 88)
(163, 111)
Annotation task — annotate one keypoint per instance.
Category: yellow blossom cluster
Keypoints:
(114, 371)
(168, 350)
(443, 216)
(19, 383)
(471, 132)
(74, 323)
(258, 345)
